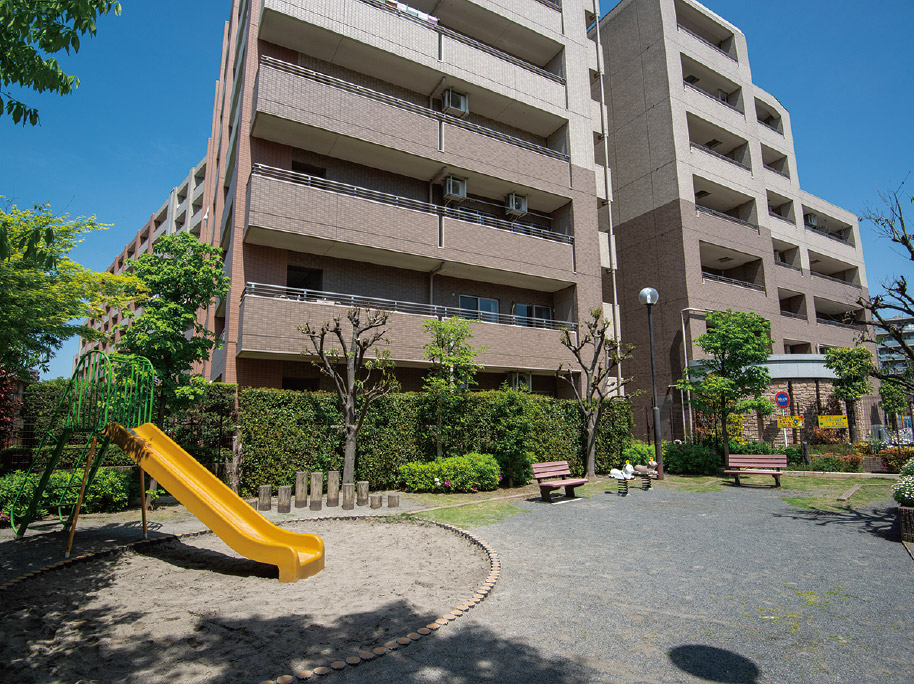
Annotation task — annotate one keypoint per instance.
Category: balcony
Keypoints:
(769, 117)
(724, 265)
(837, 314)
(791, 314)
(703, 28)
(714, 277)
(718, 142)
(727, 217)
(701, 79)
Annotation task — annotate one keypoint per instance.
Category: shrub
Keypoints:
(903, 490)
(794, 454)
(699, 459)
(470, 473)
(893, 459)
(832, 463)
(907, 468)
(638, 453)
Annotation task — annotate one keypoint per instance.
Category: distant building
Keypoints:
(891, 359)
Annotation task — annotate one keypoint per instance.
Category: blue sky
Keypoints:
(141, 116)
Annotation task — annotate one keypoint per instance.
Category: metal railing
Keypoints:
(466, 40)
(554, 4)
(468, 215)
(768, 125)
(791, 314)
(721, 156)
(726, 217)
(705, 275)
(395, 306)
(815, 274)
(833, 236)
(787, 264)
(783, 218)
(706, 42)
(713, 97)
(838, 324)
(777, 171)
(368, 93)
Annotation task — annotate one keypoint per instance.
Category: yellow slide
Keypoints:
(236, 522)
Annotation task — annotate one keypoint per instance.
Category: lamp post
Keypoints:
(648, 296)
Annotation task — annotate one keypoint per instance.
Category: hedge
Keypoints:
(285, 431)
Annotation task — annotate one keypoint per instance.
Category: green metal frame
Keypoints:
(105, 388)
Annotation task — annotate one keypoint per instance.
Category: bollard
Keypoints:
(285, 499)
(301, 489)
(333, 488)
(376, 499)
(348, 496)
(361, 489)
(393, 500)
(265, 499)
(317, 490)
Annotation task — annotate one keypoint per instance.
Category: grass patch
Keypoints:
(690, 483)
(473, 515)
(822, 493)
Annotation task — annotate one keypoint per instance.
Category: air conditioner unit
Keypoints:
(521, 380)
(515, 205)
(455, 103)
(810, 220)
(455, 188)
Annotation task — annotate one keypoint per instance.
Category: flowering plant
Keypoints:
(903, 490)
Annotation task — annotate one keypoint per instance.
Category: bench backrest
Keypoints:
(543, 471)
(758, 460)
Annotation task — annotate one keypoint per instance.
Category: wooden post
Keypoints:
(265, 500)
(376, 499)
(82, 492)
(317, 490)
(393, 500)
(285, 499)
(301, 489)
(348, 496)
(143, 501)
(361, 498)
(333, 488)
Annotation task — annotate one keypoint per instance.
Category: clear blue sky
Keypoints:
(141, 116)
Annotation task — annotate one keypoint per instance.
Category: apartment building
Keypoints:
(432, 159)
(888, 350)
(708, 208)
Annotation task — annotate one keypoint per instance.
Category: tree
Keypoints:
(893, 400)
(358, 382)
(30, 32)
(453, 368)
(852, 367)
(183, 276)
(734, 376)
(44, 295)
(890, 309)
(597, 356)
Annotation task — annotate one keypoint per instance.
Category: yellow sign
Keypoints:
(791, 422)
(833, 422)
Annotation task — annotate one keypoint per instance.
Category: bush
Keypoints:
(794, 454)
(470, 473)
(679, 459)
(833, 463)
(638, 453)
(752, 448)
(903, 490)
(907, 468)
(893, 459)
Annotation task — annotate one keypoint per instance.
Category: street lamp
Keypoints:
(648, 296)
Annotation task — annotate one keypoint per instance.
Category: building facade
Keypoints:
(708, 207)
(888, 350)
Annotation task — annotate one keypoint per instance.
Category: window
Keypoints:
(300, 384)
(532, 315)
(487, 308)
(309, 169)
(304, 278)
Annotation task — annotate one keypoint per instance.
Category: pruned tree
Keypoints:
(359, 382)
(852, 367)
(893, 399)
(597, 355)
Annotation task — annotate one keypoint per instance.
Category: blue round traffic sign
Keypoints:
(782, 399)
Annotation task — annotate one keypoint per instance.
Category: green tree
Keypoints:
(453, 369)
(44, 295)
(183, 276)
(852, 367)
(893, 399)
(733, 376)
(597, 355)
(30, 32)
(359, 382)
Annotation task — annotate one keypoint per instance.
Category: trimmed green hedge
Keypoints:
(470, 473)
(286, 431)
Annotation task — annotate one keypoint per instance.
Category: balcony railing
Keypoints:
(554, 4)
(838, 324)
(791, 314)
(787, 264)
(833, 236)
(721, 156)
(777, 171)
(706, 42)
(769, 126)
(713, 97)
(469, 215)
(705, 275)
(726, 217)
(783, 218)
(368, 93)
(466, 40)
(834, 279)
(439, 312)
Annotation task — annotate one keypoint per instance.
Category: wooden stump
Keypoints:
(317, 490)
(393, 500)
(376, 499)
(361, 498)
(301, 489)
(285, 499)
(333, 488)
(265, 499)
(348, 496)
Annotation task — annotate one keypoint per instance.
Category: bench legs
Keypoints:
(777, 480)
(546, 494)
(736, 477)
(569, 491)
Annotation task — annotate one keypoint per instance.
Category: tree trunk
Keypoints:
(726, 437)
(234, 467)
(351, 435)
(439, 450)
(851, 408)
(591, 459)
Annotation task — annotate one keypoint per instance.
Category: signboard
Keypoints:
(791, 422)
(782, 399)
(833, 422)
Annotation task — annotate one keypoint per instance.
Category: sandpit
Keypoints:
(194, 610)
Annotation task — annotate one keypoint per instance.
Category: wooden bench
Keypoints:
(757, 464)
(545, 474)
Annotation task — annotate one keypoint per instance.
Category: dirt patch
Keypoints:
(194, 610)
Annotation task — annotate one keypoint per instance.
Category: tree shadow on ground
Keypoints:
(714, 664)
(881, 522)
